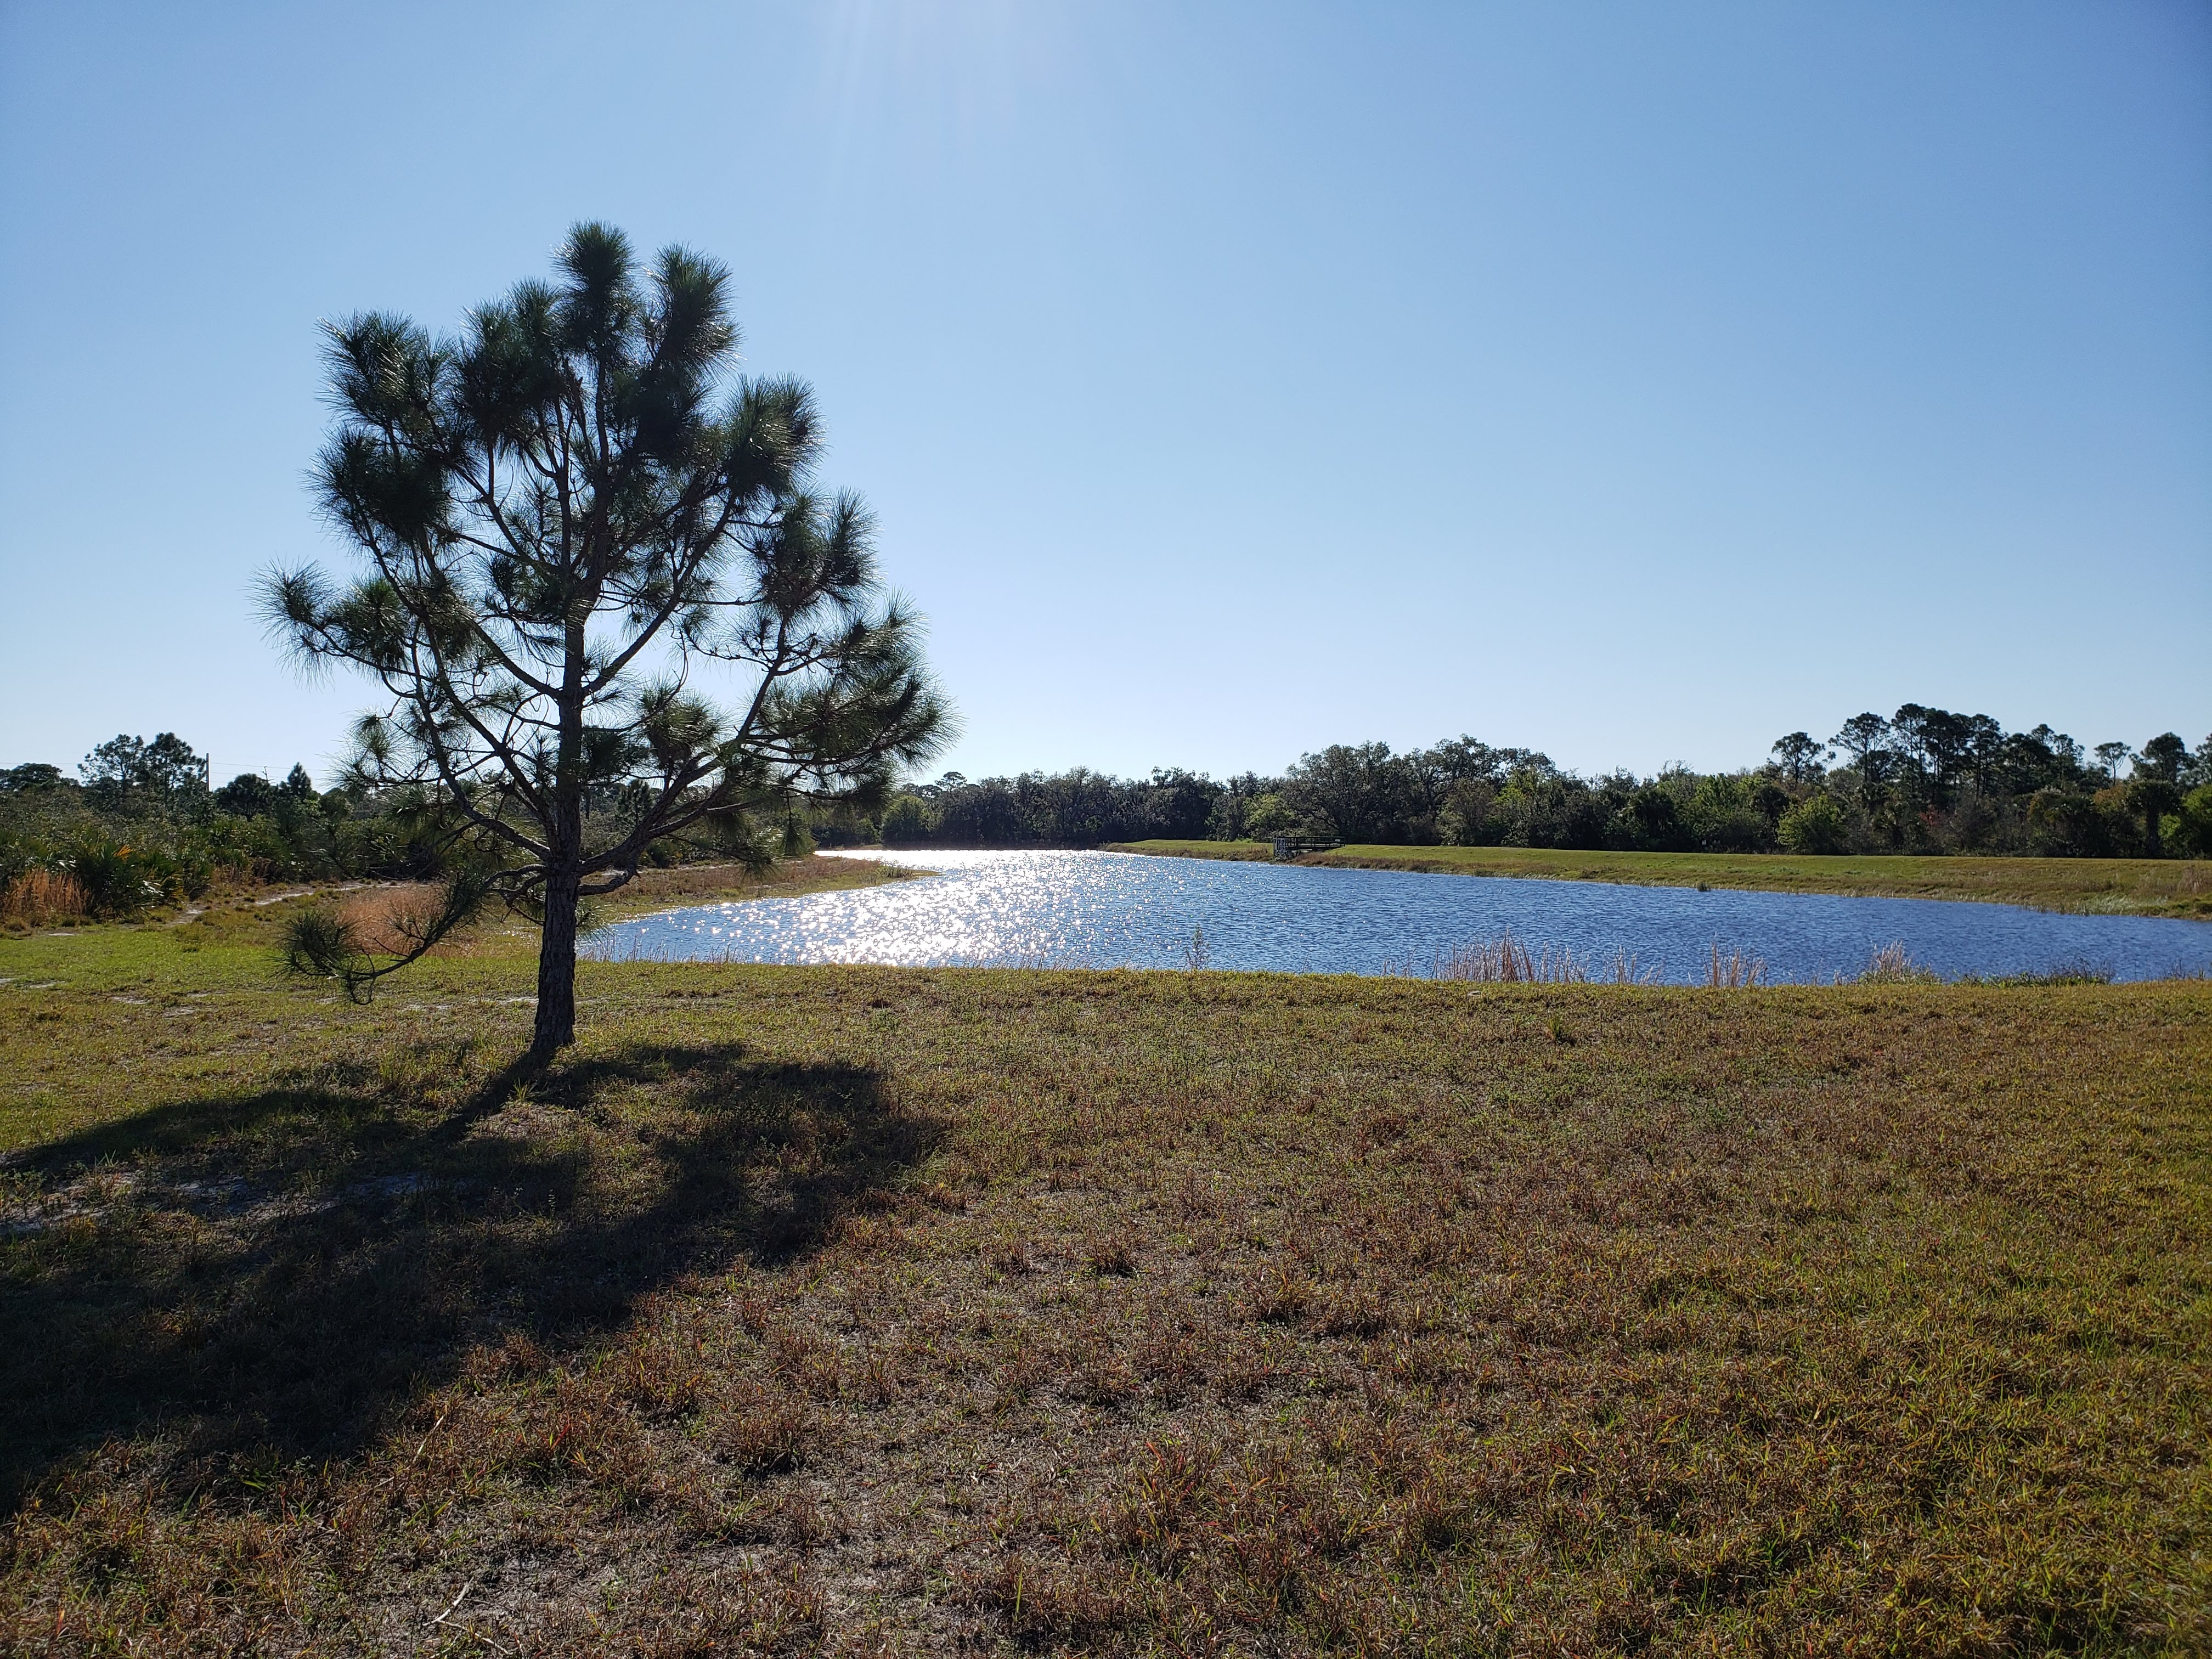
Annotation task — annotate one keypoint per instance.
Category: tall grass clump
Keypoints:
(2078, 972)
(1625, 970)
(1892, 964)
(38, 898)
(1505, 961)
(1735, 971)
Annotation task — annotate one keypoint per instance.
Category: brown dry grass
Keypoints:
(382, 917)
(861, 1310)
(39, 898)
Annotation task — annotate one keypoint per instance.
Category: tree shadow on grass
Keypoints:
(281, 1272)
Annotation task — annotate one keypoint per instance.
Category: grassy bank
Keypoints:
(870, 1310)
(713, 884)
(1236, 852)
(2149, 887)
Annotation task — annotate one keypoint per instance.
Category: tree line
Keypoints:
(1922, 780)
(142, 824)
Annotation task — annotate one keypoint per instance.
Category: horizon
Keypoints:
(1227, 385)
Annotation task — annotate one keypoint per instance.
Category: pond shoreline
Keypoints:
(2174, 888)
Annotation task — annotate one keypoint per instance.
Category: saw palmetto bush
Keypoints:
(574, 516)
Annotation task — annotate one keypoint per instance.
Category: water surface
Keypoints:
(1122, 909)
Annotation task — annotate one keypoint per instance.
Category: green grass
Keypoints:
(867, 1310)
(2154, 887)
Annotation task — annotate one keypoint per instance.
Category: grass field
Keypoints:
(889, 1311)
(2149, 887)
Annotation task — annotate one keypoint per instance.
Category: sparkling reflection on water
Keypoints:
(1117, 910)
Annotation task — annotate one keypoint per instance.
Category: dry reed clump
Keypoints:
(1892, 964)
(1735, 971)
(38, 898)
(1505, 961)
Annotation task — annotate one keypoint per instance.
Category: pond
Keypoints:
(1118, 910)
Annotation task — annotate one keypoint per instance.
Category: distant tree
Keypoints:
(1178, 804)
(1984, 749)
(1802, 758)
(247, 795)
(1464, 757)
(1226, 818)
(2064, 749)
(2109, 757)
(1658, 818)
(566, 513)
(30, 778)
(2196, 826)
(1939, 741)
(2155, 789)
(2165, 758)
(297, 784)
(1362, 792)
(114, 764)
(1268, 814)
(1464, 819)
(2029, 761)
(1864, 737)
(2152, 798)
(165, 767)
(906, 820)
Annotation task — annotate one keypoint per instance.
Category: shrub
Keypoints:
(1814, 825)
(1656, 819)
(1736, 830)
(120, 881)
(2192, 826)
(1267, 814)
(2071, 824)
(906, 819)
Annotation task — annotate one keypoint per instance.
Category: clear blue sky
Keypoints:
(1635, 382)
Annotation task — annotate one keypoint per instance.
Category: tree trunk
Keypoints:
(556, 1028)
(556, 944)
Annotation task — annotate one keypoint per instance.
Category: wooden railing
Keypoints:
(1289, 847)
